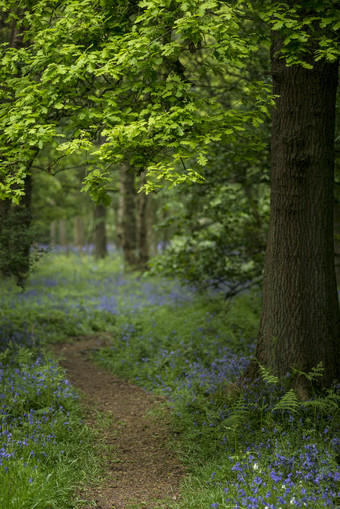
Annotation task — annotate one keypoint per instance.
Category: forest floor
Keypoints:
(132, 427)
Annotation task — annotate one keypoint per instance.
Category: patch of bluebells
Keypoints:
(288, 462)
(50, 303)
(129, 296)
(34, 402)
(279, 466)
(11, 334)
(302, 477)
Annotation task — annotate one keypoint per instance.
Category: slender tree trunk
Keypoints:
(24, 217)
(63, 238)
(79, 233)
(16, 235)
(100, 241)
(5, 206)
(127, 230)
(151, 222)
(142, 228)
(119, 222)
(53, 233)
(300, 324)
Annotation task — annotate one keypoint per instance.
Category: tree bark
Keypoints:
(127, 227)
(100, 241)
(337, 240)
(300, 323)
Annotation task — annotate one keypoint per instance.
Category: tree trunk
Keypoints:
(24, 217)
(337, 240)
(63, 239)
(16, 236)
(5, 206)
(79, 233)
(142, 230)
(127, 230)
(100, 241)
(53, 233)
(300, 324)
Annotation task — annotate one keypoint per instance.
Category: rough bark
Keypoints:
(142, 228)
(100, 238)
(127, 229)
(337, 240)
(300, 324)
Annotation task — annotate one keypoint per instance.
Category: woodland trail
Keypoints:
(140, 470)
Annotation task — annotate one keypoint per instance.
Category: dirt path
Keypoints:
(140, 470)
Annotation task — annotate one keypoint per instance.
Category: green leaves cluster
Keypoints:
(121, 81)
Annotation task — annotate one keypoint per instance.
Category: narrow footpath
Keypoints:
(140, 470)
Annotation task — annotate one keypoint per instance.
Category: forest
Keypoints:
(169, 254)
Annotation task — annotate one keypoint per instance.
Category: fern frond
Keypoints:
(315, 373)
(267, 376)
(289, 402)
(328, 405)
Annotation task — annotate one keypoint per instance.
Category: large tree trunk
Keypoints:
(127, 228)
(100, 240)
(300, 324)
(337, 240)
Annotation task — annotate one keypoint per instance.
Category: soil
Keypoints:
(140, 469)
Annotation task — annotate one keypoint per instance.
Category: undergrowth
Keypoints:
(45, 447)
(249, 446)
(246, 445)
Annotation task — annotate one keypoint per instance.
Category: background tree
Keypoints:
(100, 237)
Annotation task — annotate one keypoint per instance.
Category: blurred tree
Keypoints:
(79, 239)
(143, 236)
(127, 215)
(100, 238)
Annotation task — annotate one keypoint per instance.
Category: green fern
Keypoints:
(235, 422)
(7, 354)
(267, 376)
(289, 402)
(238, 415)
(328, 405)
(313, 374)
